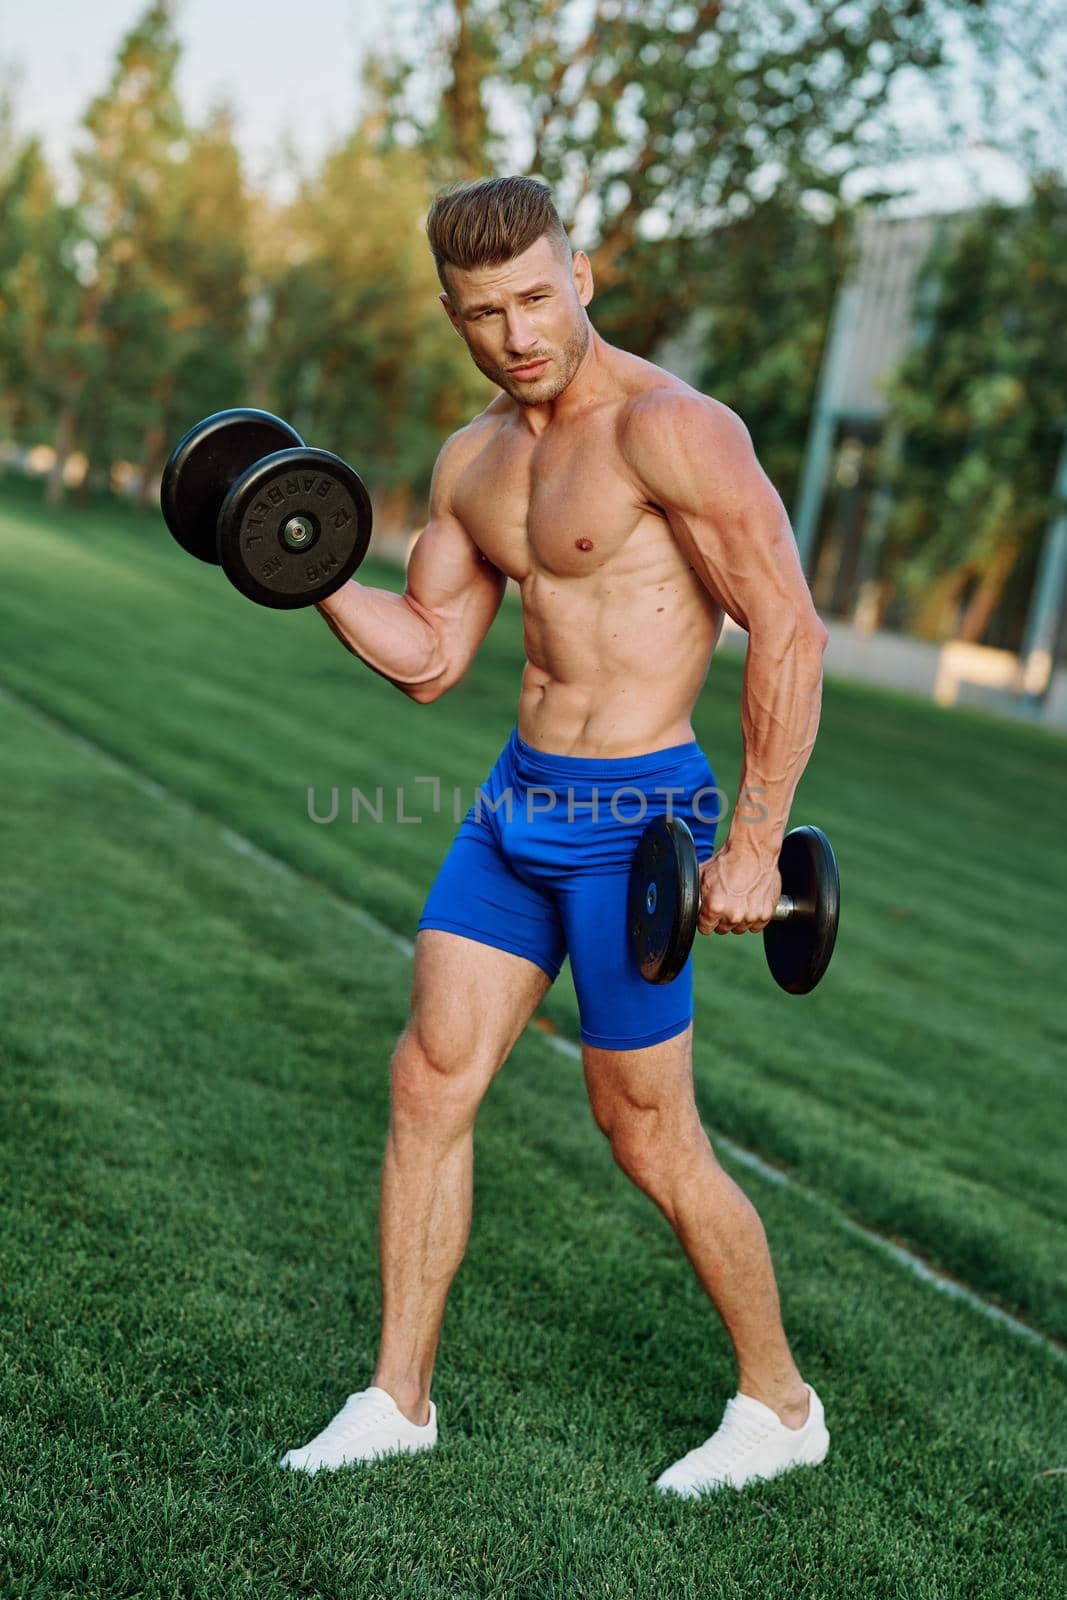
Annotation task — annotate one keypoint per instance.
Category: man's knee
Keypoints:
(655, 1148)
(436, 1080)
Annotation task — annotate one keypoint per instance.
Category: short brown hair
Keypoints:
(484, 223)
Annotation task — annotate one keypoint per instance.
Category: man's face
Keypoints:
(527, 312)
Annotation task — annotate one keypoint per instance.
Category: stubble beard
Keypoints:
(565, 364)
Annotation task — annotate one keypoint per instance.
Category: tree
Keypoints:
(210, 269)
(769, 291)
(359, 354)
(126, 314)
(129, 193)
(982, 404)
(43, 339)
(661, 124)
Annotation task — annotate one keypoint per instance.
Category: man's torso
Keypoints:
(618, 629)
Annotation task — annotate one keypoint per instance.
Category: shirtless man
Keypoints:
(632, 513)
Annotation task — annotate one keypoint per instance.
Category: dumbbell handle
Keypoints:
(788, 907)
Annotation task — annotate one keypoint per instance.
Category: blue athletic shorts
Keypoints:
(541, 863)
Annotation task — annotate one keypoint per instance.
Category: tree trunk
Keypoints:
(153, 455)
(935, 612)
(395, 511)
(462, 99)
(64, 446)
(983, 602)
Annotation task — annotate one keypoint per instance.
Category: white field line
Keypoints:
(263, 858)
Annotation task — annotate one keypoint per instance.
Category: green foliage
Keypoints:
(657, 122)
(168, 298)
(41, 339)
(769, 291)
(124, 316)
(692, 147)
(210, 264)
(983, 402)
(358, 351)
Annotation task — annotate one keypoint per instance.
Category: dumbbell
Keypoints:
(288, 524)
(663, 904)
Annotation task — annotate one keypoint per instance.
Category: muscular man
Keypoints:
(632, 513)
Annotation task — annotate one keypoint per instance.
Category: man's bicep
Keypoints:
(446, 568)
(695, 459)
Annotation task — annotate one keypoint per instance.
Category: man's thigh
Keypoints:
(470, 1002)
(478, 895)
(618, 1009)
(489, 946)
(640, 1097)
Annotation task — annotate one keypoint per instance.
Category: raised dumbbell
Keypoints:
(287, 524)
(663, 904)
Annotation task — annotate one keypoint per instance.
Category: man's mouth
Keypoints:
(528, 371)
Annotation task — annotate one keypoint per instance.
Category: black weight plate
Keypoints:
(203, 465)
(799, 947)
(663, 899)
(314, 487)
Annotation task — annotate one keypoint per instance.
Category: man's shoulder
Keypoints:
(661, 404)
(671, 433)
(463, 446)
(481, 425)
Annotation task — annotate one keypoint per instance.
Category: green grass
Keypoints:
(195, 1095)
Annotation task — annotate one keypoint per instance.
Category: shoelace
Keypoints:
(739, 1434)
(349, 1422)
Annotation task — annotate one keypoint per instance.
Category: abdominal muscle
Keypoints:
(615, 660)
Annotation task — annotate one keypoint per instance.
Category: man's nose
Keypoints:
(521, 335)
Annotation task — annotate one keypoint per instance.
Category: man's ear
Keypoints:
(582, 268)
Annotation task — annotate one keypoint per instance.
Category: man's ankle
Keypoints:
(792, 1409)
(412, 1402)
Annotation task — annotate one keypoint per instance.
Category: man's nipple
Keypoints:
(583, 544)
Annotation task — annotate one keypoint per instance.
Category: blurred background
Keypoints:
(848, 222)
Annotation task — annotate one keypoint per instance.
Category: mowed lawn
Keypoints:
(195, 1050)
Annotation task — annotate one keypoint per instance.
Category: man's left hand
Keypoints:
(739, 890)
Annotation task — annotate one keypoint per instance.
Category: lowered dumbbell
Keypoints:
(287, 524)
(663, 904)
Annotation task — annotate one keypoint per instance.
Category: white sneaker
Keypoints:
(369, 1424)
(752, 1442)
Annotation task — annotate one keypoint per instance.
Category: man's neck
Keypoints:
(592, 382)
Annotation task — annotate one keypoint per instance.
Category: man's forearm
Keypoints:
(389, 632)
(781, 701)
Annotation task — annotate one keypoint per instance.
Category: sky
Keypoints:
(284, 63)
(294, 65)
